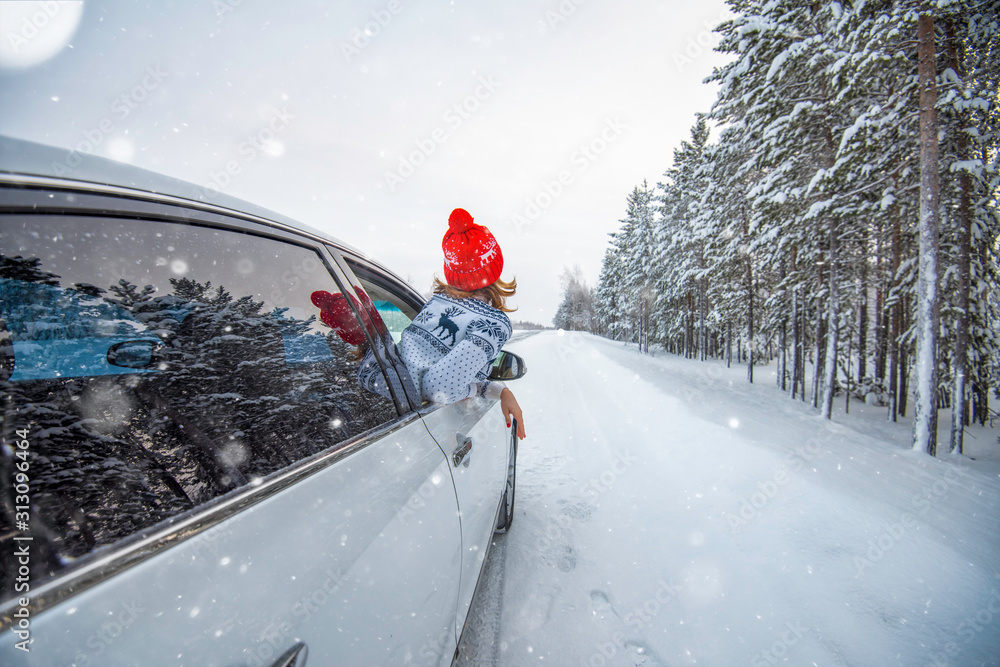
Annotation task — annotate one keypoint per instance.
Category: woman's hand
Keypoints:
(510, 408)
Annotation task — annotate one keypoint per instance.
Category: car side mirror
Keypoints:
(133, 353)
(508, 366)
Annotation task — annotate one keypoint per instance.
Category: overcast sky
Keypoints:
(372, 120)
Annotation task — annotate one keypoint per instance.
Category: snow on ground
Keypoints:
(670, 513)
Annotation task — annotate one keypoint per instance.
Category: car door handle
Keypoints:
(461, 454)
(293, 657)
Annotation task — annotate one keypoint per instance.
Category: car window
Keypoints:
(389, 313)
(395, 311)
(154, 366)
(395, 319)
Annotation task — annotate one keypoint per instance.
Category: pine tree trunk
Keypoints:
(904, 378)
(783, 355)
(963, 219)
(928, 309)
(703, 335)
(820, 333)
(847, 377)
(803, 337)
(881, 342)
(729, 345)
(833, 324)
(750, 345)
(687, 328)
(783, 332)
(795, 340)
(894, 323)
(980, 380)
(863, 322)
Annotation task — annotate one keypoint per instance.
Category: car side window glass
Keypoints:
(155, 366)
(390, 314)
(395, 319)
(395, 312)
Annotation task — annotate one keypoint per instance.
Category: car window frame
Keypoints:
(387, 280)
(48, 197)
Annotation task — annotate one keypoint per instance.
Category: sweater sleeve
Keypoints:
(491, 390)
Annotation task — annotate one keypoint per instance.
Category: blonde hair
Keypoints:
(496, 294)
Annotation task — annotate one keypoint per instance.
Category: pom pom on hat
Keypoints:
(472, 257)
(460, 221)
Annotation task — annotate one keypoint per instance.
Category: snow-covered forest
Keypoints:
(835, 212)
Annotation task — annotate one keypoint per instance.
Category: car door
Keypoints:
(232, 496)
(472, 434)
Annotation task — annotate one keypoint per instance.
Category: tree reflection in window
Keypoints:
(234, 392)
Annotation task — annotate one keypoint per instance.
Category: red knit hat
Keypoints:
(472, 257)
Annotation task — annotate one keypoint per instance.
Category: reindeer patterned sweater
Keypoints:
(451, 345)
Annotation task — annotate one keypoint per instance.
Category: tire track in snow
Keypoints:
(481, 641)
(572, 460)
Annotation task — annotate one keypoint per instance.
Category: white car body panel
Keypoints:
(479, 480)
(350, 564)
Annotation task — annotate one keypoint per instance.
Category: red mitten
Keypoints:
(336, 314)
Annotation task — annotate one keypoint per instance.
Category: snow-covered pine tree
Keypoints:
(725, 223)
(682, 283)
(970, 110)
(636, 250)
(777, 92)
(576, 311)
(880, 155)
(609, 304)
(814, 185)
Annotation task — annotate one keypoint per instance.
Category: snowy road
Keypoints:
(669, 513)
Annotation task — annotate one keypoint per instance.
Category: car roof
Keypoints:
(73, 169)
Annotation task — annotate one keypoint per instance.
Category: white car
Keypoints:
(191, 471)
